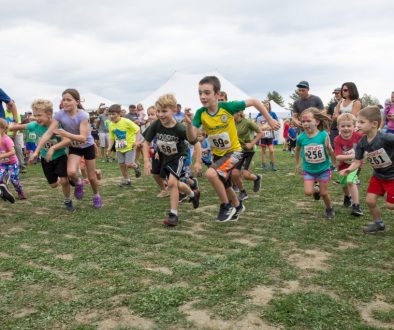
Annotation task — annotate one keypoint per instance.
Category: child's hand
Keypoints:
(274, 124)
(60, 131)
(49, 155)
(297, 169)
(249, 145)
(197, 168)
(147, 168)
(32, 158)
(344, 172)
(108, 153)
(188, 117)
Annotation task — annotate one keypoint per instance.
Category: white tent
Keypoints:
(185, 88)
(281, 112)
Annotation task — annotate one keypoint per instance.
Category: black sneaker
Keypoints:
(195, 199)
(69, 206)
(316, 194)
(374, 228)
(238, 210)
(330, 214)
(137, 171)
(71, 182)
(243, 195)
(347, 201)
(6, 194)
(171, 220)
(356, 210)
(194, 185)
(226, 212)
(257, 183)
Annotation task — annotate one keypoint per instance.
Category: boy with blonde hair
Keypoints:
(379, 150)
(344, 145)
(123, 133)
(172, 149)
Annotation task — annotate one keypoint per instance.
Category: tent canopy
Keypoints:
(281, 112)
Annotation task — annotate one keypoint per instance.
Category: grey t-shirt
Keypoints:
(379, 153)
(103, 123)
(312, 101)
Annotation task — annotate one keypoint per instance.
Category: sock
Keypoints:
(257, 177)
(174, 211)
(243, 191)
(67, 200)
(191, 195)
(239, 206)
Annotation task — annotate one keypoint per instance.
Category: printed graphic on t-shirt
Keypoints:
(220, 141)
(314, 154)
(348, 152)
(167, 147)
(379, 158)
(49, 144)
(32, 136)
(268, 134)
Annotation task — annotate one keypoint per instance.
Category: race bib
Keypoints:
(167, 147)
(268, 134)
(32, 136)
(120, 144)
(348, 152)
(220, 141)
(76, 144)
(315, 154)
(379, 158)
(49, 144)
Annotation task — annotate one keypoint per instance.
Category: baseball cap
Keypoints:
(303, 84)
(337, 90)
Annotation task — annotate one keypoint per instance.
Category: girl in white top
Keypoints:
(350, 102)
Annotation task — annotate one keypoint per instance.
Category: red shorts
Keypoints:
(380, 187)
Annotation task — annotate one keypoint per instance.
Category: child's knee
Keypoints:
(390, 206)
(210, 173)
(308, 192)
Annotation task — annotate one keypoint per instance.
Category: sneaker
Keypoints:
(226, 212)
(97, 202)
(316, 194)
(374, 228)
(264, 166)
(257, 183)
(243, 195)
(23, 170)
(195, 199)
(137, 171)
(163, 193)
(69, 206)
(78, 191)
(235, 188)
(330, 213)
(238, 210)
(125, 183)
(6, 194)
(356, 210)
(194, 186)
(171, 220)
(273, 168)
(21, 195)
(347, 201)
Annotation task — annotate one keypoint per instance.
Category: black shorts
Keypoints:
(266, 141)
(245, 161)
(88, 153)
(292, 143)
(95, 135)
(175, 167)
(55, 169)
(155, 166)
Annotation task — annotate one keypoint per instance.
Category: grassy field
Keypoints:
(281, 266)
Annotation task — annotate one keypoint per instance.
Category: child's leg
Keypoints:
(159, 181)
(246, 174)
(14, 177)
(73, 167)
(232, 197)
(271, 150)
(263, 156)
(65, 187)
(353, 190)
(174, 193)
(184, 188)
(324, 194)
(371, 201)
(91, 169)
(309, 187)
(236, 178)
(123, 170)
(217, 184)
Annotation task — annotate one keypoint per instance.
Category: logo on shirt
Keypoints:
(224, 118)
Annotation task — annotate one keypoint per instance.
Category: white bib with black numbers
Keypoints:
(49, 144)
(315, 154)
(167, 147)
(349, 152)
(268, 134)
(379, 158)
(220, 141)
(120, 144)
(76, 144)
(32, 136)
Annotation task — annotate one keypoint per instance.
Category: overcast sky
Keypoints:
(124, 50)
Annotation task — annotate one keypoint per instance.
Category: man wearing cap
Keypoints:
(330, 112)
(305, 101)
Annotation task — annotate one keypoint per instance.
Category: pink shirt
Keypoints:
(390, 122)
(6, 145)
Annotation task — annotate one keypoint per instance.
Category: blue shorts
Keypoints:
(31, 146)
(324, 176)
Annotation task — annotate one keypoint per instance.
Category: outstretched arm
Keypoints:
(264, 112)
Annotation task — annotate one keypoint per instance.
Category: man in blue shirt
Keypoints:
(6, 99)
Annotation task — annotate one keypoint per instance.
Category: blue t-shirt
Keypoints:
(293, 132)
(272, 114)
(207, 155)
(3, 98)
(179, 116)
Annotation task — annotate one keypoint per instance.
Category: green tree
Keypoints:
(294, 97)
(276, 97)
(367, 100)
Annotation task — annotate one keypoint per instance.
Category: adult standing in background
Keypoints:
(179, 115)
(388, 114)
(4, 98)
(102, 124)
(305, 101)
(331, 111)
(350, 102)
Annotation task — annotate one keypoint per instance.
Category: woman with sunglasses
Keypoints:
(350, 102)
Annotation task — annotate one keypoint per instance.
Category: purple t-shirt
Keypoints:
(72, 125)
(6, 145)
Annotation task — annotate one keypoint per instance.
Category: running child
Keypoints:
(205, 148)
(344, 144)
(293, 132)
(75, 123)
(53, 154)
(123, 133)
(9, 165)
(170, 138)
(379, 149)
(246, 129)
(217, 120)
(313, 144)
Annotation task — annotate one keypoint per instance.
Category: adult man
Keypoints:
(179, 115)
(305, 101)
(11, 105)
(133, 114)
(330, 112)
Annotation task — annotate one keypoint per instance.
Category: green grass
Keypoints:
(119, 267)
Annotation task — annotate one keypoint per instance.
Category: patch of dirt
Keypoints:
(23, 312)
(163, 270)
(121, 317)
(109, 227)
(367, 309)
(244, 241)
(42, 232)
(64, 256)
(346, 245)
(290, 287)
(251, 322)
(87, 318)
(69, 236)
(63, 293)
(261, 295)
(6, 276)
(15, 230)
(26, 247)
(310, 259)
(118, 299)
(187, 262)
(4, 255)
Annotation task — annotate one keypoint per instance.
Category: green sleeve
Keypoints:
(111, 132)
(253, 126)
(181, 130)
(233, 107)
(31, 126)
(197, 118)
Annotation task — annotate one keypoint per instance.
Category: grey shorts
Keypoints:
(127, 157)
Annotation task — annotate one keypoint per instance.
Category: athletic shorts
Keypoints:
(266, 141)
(175, 167)
(89, 152)
(127, 157)
(104, 139)
(56, 168)
(156, 165)
(324, 176)
(31, 146)
(245, 161)
(380, 187)
(223, 165)
(95, 135)
(351, 178)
